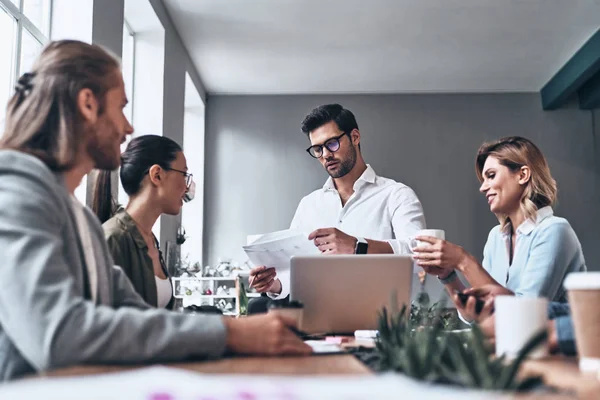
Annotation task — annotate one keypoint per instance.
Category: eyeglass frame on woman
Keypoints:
(335, 139)
(189, 178)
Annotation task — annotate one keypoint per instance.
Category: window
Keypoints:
(128, 67)
(24, 28)
(30, 49)
(192, 214)
(8, 34)
(38, 12)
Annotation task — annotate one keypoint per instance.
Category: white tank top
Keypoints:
(164, 291)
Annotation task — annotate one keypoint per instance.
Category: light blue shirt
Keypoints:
(546, 250)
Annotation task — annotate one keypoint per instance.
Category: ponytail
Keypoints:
(103, 204)
(141, 154)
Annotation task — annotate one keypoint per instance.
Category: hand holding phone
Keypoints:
(463, 300)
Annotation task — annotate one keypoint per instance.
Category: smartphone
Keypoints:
(463, 300)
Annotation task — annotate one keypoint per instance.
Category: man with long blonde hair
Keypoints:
(63, 302)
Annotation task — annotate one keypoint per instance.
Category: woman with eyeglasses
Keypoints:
(154, 175)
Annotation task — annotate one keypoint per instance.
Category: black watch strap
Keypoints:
(361, 246)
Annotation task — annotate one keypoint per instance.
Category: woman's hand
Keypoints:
(438, 257)
(489, 291)
(488, 328)
(468, 310)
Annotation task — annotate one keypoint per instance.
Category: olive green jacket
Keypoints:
(130, 251)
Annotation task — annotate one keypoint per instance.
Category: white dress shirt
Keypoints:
(379, 209)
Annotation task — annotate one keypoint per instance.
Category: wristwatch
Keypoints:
(361, 246)
(452, 276)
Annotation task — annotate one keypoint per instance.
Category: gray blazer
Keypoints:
(46, 321)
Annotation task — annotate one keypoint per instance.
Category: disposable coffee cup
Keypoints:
(584, 298)
(518, 320)
(294, 309)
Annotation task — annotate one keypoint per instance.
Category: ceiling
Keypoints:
(381, 46)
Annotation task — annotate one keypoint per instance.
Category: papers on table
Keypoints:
(275, 249)
(323, 347)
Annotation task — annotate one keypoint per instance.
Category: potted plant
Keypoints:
(425, 353)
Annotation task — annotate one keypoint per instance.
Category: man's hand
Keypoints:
(264, 279)
(333, 241)
(266, 335)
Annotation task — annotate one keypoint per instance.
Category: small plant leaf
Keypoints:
(507, 377)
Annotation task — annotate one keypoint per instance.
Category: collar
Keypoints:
(129, 225)
(368, 176)
(529, 224)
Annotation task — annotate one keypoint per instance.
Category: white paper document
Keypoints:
(275, 249)
(324, 347)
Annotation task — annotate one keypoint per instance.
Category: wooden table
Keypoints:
(558, 372)
(563, 373)
(313, 365)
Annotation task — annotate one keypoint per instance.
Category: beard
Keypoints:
(102, 146)
(346, 165)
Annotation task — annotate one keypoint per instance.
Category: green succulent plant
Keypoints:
(429, 354)
(416, 353)
(423, 313)
(471, 364)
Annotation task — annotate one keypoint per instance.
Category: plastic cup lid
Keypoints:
(582, 281)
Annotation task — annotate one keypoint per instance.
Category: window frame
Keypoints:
(131, 96)
(24, 23)
(121, 195)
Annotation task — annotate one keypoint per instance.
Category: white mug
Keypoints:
(436, 233)
(518, 319)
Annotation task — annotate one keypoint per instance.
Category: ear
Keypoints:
(88, 105)
(355, 135)
(156, 174)
(524, 175)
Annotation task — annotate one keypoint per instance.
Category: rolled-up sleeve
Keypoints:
(407, 219)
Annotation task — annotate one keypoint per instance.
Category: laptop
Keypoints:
(344, 293)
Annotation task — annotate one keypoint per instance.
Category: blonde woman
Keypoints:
(531, 251)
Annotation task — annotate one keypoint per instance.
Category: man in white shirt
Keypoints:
(356, 211)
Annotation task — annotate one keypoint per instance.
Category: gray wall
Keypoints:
(257, 170)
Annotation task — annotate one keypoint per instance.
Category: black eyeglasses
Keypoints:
(332, 145)
(188, 177)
